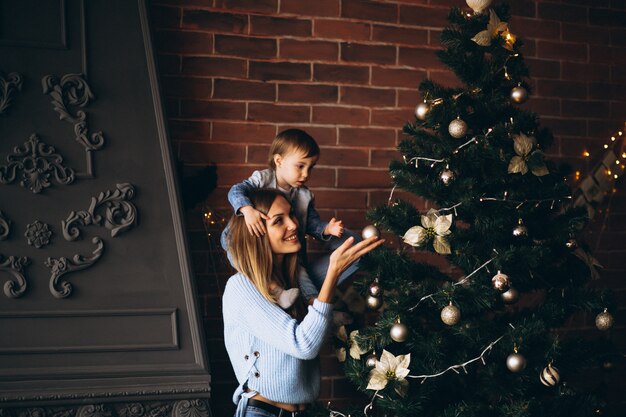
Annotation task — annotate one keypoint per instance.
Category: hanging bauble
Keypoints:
(375, 290)
(515, 362)
(520, 230)
(478, 6)
(371, 360)
(501, 282)
(374, 303)
(604, 320)
(398, 332)
(450, 314)
(421, 111)
(447, 176)
(549, 376)
(369, 231)
(519, 94)
(510, 296)
(571, 244)
(457, 128)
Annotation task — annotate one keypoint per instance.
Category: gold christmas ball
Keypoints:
(371, 360)
(549, 376)
(450, 314)
(510, 296)
(501, 282)
(604, 320)
(421, 111)
(399, 332)
(478, 6)
(457, 128)
(369, 231)
(515, 362)
(375, 290)
(374, 303)
(447, 176)
(519, 94)
(520, 230)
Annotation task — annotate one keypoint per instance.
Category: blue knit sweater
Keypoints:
(275, 354)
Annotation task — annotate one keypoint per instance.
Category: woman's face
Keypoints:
(282, 227)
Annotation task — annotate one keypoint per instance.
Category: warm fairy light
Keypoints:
(612, 138)
(606, 146)
(577, 175)
(623, 154)
(615, 176)
(619, 133)
(617, 162)
(608, 171)
(586, 154)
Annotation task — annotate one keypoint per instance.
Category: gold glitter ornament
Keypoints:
(604, 320)
(501, 282)
(450, 314)
(519, 94)
(457, 128)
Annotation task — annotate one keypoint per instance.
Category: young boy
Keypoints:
(292, 156)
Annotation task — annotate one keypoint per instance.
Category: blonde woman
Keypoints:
(273, 351)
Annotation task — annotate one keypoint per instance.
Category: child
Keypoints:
(292, 156)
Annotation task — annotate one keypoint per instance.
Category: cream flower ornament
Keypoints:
(523, 146)
(434, 226)
(355, 349)
(390, 368)
(494, 28)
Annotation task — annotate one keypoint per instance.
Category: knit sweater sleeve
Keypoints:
(266, 321)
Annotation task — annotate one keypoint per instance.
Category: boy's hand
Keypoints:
(334, 227)
(254, 220)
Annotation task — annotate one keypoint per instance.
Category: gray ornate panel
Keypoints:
(16, 21)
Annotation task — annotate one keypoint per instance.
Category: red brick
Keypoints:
(309, 50)
(245, 46)
(263, 25)
(534, 28)
(544, 106)
(263, 6)
(425, 15)
(213, 109)
(328, 8)
(419, 58)
(378, 138)
(363, 96)
(618, 75)
(618, 109)
(187, 87)
(603, 128)
(561, 50)
(563, 13)
(243, 132)
(597, 3)
(189, 130)
(335, 157)
(183, 42)
(566, 127)
(322, 177)
(322, 135)
(208, 66)
(244, 90)
(367, 10)
(392, 118)
(377, 54)
(363, 178)
(618, 37)
(275, 113)
(524, 8)
(409, 98)
(380, 158)
(307, 93)
(394, 77)
(399, 35)
(607, 91)
(258, 155)
(561, 89)
(608, 54)
(585, 72)
(165, 17)
(340, 199)
(169, 64)
(341, 73)
(211, 21)
(586, 109)
(340, 29)
(340, 115)
(203, 153)
(607, 17)
(540, 68)
(287, 71)
(584, 34)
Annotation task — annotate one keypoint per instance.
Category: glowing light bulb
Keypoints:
(586, 154)
(606, 146)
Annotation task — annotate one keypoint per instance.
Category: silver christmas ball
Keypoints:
(450, 314)
(457, 128)
(447, 176)
(519, 94)
(421, 111)
(549, 376)
(369, 231)
(375, 290)
(501, 282)
(371, 360)
(399, 332)
(515, 362)
(604, 320)
(510, 296)
(520, 230)
(374, 303)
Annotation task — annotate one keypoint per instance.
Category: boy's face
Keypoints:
(293, 169)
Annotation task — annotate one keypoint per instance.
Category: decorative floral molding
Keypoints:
(14, 265)
(38, 234)
(8, 87)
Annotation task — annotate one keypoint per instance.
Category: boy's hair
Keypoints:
(253, 256)
(293, 140)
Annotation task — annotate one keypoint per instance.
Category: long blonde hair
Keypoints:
(253, 256)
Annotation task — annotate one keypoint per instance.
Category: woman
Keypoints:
(273, 351)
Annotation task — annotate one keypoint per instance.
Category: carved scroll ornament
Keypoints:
(14, 265)
(5, 226)
(8, 87)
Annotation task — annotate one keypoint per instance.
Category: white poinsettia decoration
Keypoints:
(526, 157)
(434, 226)
(390, 368)
(355, 350)
(495, 27)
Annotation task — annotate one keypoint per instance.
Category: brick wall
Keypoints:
(235, 72)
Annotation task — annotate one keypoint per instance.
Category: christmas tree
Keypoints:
(480, 340)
